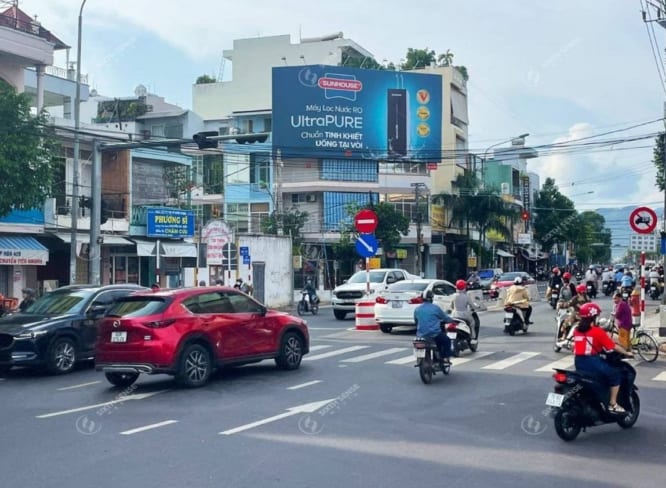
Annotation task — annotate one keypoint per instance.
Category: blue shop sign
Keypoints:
(172, 223)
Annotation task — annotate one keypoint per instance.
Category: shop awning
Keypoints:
(109, 240)
(145, 248)
(22, 250)
(178, 250)
(504, 254)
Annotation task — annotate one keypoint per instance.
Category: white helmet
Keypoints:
(517, 280)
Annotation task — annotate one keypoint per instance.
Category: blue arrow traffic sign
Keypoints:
(367, 245)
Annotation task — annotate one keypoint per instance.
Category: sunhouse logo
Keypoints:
(340, 86)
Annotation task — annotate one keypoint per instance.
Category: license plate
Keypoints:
(419, 353)
(554, 295)
(452, 335)
(118, 336)
(396, 304)
(554, 400)
(508, 316)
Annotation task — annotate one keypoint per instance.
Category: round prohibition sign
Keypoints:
(643, 220)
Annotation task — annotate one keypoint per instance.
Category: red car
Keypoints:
(506, 280)
(187, 332)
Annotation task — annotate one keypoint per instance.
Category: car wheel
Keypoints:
(195, 366)
(291, 352)
(61, 356)
(121, 379)
(339, 314)
(385, 328)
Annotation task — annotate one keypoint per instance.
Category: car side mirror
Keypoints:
(97, 311)
(390, 280)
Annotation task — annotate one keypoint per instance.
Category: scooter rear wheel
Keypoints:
(630, 419)
(426, 370)
(566, 425)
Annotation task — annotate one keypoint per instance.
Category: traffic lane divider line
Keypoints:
(374, 355)
(303, 385)
(140, 396)
(566, 362)
(337, 352)
(82, 385)
(510, 361)
(148, 427)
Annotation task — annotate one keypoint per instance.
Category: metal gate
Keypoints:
(258, 280)
(4, 280)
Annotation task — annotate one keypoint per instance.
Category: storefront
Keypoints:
(19, 257)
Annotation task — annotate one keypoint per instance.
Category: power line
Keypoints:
(660, 67)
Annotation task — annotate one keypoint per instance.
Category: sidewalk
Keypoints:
(653, 322)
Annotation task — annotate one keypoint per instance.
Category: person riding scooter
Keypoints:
(463, 308)
(429, 318)
(574, 305)
(519, 296)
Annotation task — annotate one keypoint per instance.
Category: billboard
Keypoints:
(336, 112)
(174, 223)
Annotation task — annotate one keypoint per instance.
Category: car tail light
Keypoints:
(560, 377)
(451, 327)
(381, 299)
(415, 300)
(159, 324)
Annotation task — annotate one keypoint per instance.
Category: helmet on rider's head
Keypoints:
(556, 270)
(428, 296)
(581, 288)
(589, 310)
(566, 276)
(517, 280)
(461, 285)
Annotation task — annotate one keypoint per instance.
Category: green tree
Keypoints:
(291, 222)
(28, 153)
(204, 79)
(445, 59)
(555, 219)
(418, 58)
(658, 159)
(591, 238)
(391, 225)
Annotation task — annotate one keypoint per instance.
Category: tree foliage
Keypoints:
(391, 225)
(204, 79)
(556, 219)
(418, 58)
(591, 238)
(658, 159)
(28, 153)
(291, 222)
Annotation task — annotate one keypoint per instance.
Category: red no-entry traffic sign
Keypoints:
(366, 221)
(643, 220)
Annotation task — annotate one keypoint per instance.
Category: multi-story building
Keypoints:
(259, 181)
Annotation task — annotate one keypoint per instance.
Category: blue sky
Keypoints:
(558, 70)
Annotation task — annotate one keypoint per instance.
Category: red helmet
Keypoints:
(556, 270)
(589, 310)
(566, 276)
(461, 285)
(581, 288)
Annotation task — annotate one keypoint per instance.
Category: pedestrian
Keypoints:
(155, 287)
(202, 283)
(28, 299)
(622, 314)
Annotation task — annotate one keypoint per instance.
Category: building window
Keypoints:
(174, 131)
(258, 214)
(157, 130)
(260, 169)
(237, 168)
(268, 124)
(237, 215)
(401, 168)
(223, 131)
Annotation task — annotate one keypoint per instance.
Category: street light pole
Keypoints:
(75, 167)
(485, 156)
(419, 236)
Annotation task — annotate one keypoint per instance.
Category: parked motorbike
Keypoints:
(514, 319)
(428, 359)
(580, 401)
(554, 296)
(306, 305)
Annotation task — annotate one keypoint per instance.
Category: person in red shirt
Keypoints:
(589, 341)
(622, 313)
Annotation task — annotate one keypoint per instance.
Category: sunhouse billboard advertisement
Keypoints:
(337, 112)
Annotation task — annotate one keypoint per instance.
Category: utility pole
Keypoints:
(95, 254)
(419, 235)
(278, 192)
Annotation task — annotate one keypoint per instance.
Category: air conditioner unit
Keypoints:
(310, 197)
(505, 188)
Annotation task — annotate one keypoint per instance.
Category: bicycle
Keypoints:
(641, 342)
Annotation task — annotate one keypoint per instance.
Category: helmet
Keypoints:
(556, 270)
(28, 291)
(428, 296)
(517, 280)
(581, 288)
(461, 285)
(588, 310)
(566, 276)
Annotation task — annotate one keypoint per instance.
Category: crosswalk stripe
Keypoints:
(471, 357)
(566, 362)
(374, 355)
(318, 348)
(510, 361)
(334, 353)
(660, 377)
(405, 360)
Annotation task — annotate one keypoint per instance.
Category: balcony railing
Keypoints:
(65, 74)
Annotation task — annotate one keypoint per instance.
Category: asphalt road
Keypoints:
(354, 414)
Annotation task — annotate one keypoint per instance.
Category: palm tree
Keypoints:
(445, 59)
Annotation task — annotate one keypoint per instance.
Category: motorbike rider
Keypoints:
(312, 292)
(589, 341)
(519, 296)
(574, 304)
(28, 299)
(568, 288)
(429, 318)
(462, 307)
(242, 286)
(653, 276)
(554, 282)
(591, 278)
(627, 280)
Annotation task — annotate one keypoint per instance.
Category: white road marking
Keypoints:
(405, 360)
(471, 357)
(566, 362)
(318, 348)
(510, 361)
(660, 377)
(334, 353)
(149, 427)
(82, 385)
(374, 355)
(140, 396)
(303, 385)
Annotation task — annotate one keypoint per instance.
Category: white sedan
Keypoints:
(395, 306)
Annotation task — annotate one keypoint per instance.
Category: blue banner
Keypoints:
(336, 112)
(174, 223)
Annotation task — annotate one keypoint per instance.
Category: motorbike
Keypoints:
(580, 401)
(608, 287)
(563, 314)
(427, 358)
(578, 276)
(465, 338)
(306, 305)
(591, 289)
(514, 319)
(654, 291)
(554, 296)
(626, 292)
